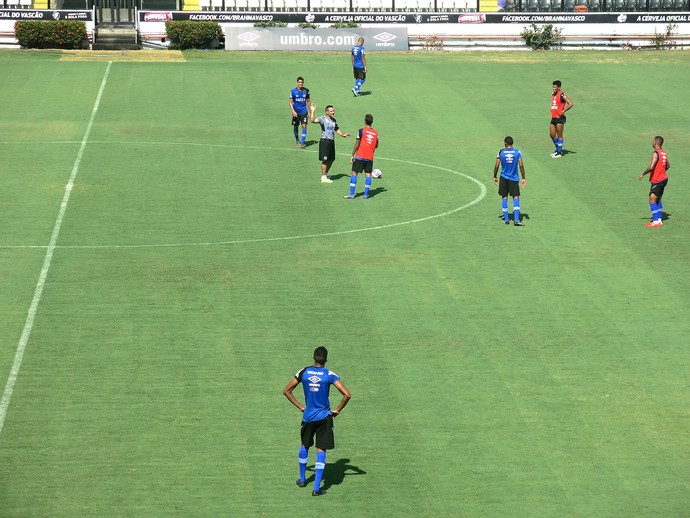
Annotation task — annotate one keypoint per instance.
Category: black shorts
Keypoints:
(508, 187)
(359, 73)
(300, 119)
(658, 188)
(558, 120)
(326, 150)
(362, 165)
(325, 440)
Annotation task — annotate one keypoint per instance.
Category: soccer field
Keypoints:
(169, 259)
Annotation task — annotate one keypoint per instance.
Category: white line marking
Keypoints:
(482, 194)
(28, 325)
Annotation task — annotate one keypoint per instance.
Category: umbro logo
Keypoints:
(385, 37)
(248, 36)
(314, 379)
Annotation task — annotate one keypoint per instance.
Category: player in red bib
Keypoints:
(363, 156)
(658, 166)
(559, 105)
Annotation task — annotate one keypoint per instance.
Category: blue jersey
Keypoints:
(509, 157)
(357, 54)
(316, 381)
(299, 100)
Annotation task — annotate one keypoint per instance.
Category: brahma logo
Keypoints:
(158, 17)
(56, 15)
(622, 18)
(248, 39)
(385, 39)
(472, 18)
(310, 18)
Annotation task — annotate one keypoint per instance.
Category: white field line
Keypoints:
(28, 325)
(482, 194)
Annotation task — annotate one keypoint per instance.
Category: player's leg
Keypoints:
(303, 457)
(353, 186)
(367, 178)
(552, 134)
(295, 129)
(503, 193)
(516, 211)
(324, 441)
(325, 167)
(655, 209)
(304, 132)
(307, 440)
(559, 139)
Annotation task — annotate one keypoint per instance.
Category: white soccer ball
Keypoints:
(376, 173)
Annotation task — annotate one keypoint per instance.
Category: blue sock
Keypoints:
(559, 146)
(504, 206)
(353, 184)
(660, 207)
(296, 134)
(361, 82)
(304, 135)
(303, 457)
(516, 209)
(319, 467)
(656, 211)
(555, 142)
(367, 185)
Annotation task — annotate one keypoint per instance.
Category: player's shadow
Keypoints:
(568, 152)
(337, 471)
(664, 216)
(339, 176)
(523, 215)
(376, 191)
(309, 143)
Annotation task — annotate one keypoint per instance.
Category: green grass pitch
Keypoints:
(495, 371)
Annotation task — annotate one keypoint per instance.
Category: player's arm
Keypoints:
(292, 107)
(364, 61)
(352, 58)
(354, 150)
(339, 132)
(652, 165)
(287, 392)
(522, 172)
(568, 103)
(346, 397)
(496, 166)
(312, 109)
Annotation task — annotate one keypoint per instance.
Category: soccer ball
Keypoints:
(376, 173)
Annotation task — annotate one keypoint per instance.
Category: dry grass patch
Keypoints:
(144, 56)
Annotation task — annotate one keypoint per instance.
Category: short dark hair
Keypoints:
(508, 140)
(659, 140)
(368, 119)
(300, 78)
(321, 355)
(557, 83)
(329, 106)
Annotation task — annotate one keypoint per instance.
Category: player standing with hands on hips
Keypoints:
(560, 103)
(510, 159)
(318, 416)
(359, 66)
(658, 178)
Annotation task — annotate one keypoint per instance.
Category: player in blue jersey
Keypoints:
(300, 104)
(318, 416)
(359, 65)
(510, 159)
